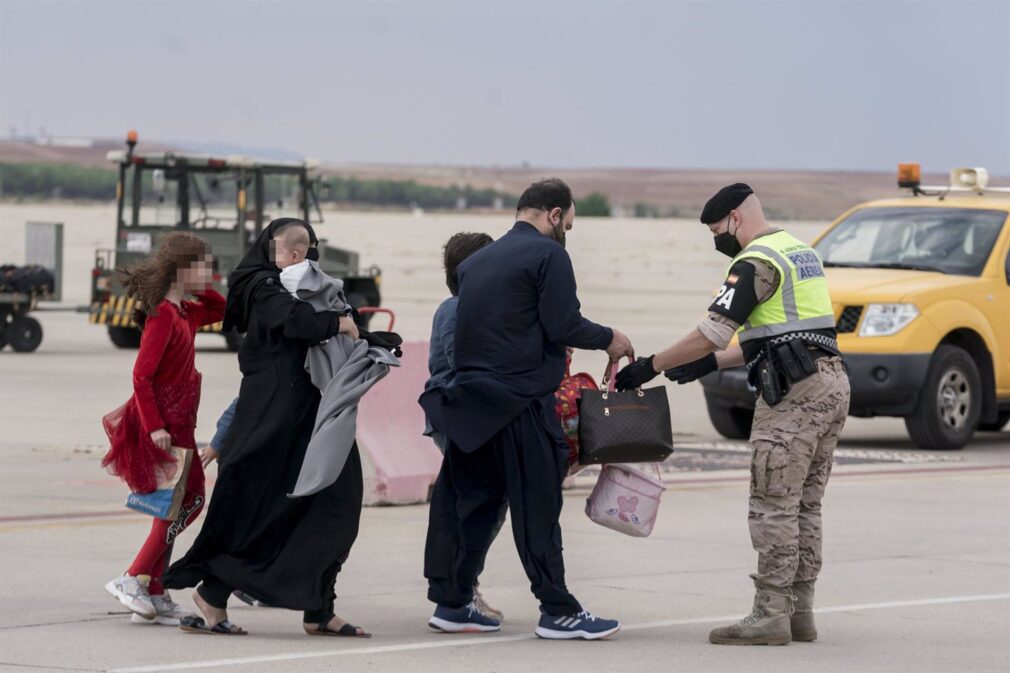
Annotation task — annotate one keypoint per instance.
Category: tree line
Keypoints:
(40, 181)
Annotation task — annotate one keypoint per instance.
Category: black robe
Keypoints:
(285, 552)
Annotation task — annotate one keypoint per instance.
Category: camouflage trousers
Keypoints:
(792, 445)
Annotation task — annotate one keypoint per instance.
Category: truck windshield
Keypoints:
(947, 240)
(174, 197)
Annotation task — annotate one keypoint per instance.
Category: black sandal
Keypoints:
(195, 624)
(348, 630)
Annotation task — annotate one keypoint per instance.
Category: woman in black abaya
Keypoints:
(285, 552)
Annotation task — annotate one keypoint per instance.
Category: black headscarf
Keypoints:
(255, 269)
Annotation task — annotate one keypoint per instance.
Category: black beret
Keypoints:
(725, 200)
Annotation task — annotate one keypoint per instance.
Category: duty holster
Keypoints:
(779, 367)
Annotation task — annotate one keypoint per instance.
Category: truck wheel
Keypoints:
(950, 403)
(125, 337)
(24, 334)
(1001, 421)
(730, 422)
(233, 340)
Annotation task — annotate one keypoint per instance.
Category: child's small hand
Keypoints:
(162, 439)
(208, 455)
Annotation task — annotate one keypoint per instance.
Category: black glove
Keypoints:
(391, 341)
(693, 371)
(637, 374)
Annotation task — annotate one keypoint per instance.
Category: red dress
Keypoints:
(166, 393)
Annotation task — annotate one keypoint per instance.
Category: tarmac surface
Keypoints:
(917, 574)
(917, 549)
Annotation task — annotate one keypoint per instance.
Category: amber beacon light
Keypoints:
(909, 176)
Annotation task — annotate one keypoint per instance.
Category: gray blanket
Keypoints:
(343, 369)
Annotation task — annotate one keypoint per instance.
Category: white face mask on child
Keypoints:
(292, 275)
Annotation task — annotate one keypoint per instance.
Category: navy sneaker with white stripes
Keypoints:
(467, 619)
(584, 626)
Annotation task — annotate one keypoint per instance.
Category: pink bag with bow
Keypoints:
(626, 499)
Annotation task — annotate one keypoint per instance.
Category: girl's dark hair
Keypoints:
(547, 195)
(148, 282)
(457, 248)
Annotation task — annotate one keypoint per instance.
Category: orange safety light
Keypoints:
(909, 176)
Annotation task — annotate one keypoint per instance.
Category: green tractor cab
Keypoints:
(227, 202)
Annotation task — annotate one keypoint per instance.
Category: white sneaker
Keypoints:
(169, 612)
(132, 593)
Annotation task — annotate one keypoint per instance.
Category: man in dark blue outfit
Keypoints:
(517, 312)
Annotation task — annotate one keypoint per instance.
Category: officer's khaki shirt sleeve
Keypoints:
(718, 328)
(766, 279)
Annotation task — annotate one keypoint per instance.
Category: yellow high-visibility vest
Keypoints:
(801, 301)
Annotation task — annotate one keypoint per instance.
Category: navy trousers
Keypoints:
(521, 467)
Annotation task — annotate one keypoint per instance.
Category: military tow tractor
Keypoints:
(226, 201)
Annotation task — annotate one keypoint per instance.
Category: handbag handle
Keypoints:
(655, 466)
(659, 475)
(608, 382)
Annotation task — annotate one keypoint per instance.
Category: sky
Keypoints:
(720, 84)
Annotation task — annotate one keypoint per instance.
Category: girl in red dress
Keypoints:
(162, 412)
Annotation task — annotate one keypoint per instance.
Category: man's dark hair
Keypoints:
(547, 195)
(457, 248)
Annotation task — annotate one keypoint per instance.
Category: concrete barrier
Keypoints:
(399, 463)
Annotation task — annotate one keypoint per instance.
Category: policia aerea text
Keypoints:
(776, 295)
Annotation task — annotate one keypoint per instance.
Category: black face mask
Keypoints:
(727, 244)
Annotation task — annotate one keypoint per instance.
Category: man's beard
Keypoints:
(559, 233)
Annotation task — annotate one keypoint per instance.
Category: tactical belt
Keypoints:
(829, 344)
(786, 360)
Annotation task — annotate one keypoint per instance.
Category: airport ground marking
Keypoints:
(441, 642)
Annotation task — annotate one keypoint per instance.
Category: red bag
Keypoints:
(567, 407)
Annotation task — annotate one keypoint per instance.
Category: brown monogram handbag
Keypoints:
(630, 426)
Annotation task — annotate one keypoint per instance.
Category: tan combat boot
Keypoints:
(767, 624)
(802, 621)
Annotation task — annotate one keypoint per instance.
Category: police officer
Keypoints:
(776, 296)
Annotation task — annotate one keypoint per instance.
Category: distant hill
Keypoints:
(78, 152)
(676, 192)
(91, 152)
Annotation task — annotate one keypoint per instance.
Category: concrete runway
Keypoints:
(917, 574)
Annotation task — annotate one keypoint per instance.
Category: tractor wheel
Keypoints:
(24, 334)
(358, 300)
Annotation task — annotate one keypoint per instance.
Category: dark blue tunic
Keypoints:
(517, 312)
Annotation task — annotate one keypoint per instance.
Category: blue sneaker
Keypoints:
(584, 626)
(467, 619)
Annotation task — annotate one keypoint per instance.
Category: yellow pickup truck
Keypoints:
(921, 291)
